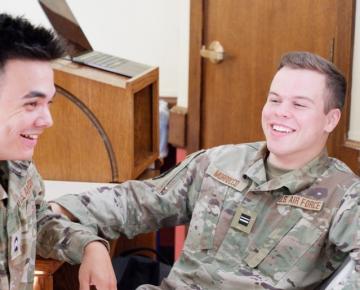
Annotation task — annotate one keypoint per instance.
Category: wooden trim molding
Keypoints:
(194, 108)
(97, 125)
(340, 146)
(350, 27)
(352, 144)
(344, 42)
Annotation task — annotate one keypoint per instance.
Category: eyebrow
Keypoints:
(295, 97)
(34, 94)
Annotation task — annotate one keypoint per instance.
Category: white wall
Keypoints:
(354, 132)
(28, 8)
(154, 32)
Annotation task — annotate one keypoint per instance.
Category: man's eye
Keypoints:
(299, 105)
(274, 101)
(31, 105)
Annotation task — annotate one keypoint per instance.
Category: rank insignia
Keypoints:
(243, 220)
(16, 245)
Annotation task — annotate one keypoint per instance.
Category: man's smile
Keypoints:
(30, 136)
(281, 129)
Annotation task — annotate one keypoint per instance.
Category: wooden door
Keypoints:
(225, 99)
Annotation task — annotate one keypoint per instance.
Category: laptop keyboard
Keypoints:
(111, 63)
(101, 59)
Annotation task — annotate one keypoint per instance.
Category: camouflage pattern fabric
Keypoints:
(26, 217)
(245, 232)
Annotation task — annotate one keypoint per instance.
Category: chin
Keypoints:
(25, 156)
(20, 158)
(17, 155)
(29, 158)
(278, 150)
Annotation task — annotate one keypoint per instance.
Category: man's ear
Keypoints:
(333, 118)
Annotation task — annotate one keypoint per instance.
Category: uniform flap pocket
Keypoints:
(291, 249)
(269, 238)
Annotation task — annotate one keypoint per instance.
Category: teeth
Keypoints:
(28, 136)
(281, 129)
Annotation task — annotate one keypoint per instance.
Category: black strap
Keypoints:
(159, 257)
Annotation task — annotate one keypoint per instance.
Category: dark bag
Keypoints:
(134, 270)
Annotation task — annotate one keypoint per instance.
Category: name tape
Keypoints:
(301, 202)
(26, 190)
(226, 179)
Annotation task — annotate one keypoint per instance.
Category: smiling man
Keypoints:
(279, 214)
(298, 117)
(26, 93)
(26, 221)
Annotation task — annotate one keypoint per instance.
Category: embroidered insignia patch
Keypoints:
(16, 245)
(243, 220)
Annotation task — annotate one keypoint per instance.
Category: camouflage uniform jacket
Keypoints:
(296, 228)
(25, 217)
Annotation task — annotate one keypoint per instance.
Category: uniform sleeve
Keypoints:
(345, 234)
(136, 207)
(57, 236)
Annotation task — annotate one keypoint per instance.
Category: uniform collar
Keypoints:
(4, 171)
(3, 194)
(17, 170)
(291, 182)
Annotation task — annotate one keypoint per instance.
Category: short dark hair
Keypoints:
(335, 80)
(19, 39)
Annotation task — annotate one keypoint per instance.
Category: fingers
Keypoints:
(84, 285)
(106, 282)
(96, 268)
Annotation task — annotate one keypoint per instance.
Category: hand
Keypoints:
(96, 268)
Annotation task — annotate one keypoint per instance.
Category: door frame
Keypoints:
(195, 66)
(345, 42)
(343, 51)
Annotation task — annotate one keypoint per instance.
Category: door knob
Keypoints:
(215, 52)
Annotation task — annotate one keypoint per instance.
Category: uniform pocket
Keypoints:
(206, 215)
(213, 211)
(290, 249)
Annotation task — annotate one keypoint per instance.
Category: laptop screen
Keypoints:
(64, 23)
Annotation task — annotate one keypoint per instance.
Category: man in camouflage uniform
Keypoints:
(26, 91)
(274, 215)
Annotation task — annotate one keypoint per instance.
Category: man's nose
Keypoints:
(283, 110)
(45, 119)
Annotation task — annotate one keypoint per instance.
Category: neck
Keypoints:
(291, 162)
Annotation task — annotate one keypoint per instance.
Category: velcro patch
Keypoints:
(16, 245)
(243, 220)
(301, 202)
(225, 178)
(25, 191)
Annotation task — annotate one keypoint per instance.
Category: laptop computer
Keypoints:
(79, 48)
